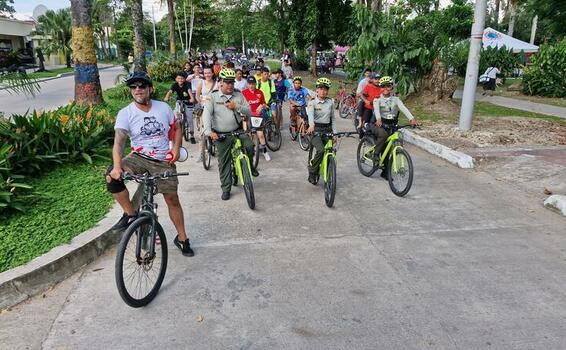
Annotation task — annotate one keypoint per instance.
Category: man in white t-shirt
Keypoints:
(150, 125)
(491, 73)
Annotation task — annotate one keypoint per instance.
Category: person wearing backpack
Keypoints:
(489, 79)
(266, 85)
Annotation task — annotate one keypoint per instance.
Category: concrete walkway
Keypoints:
(462, 262)
(523, 105)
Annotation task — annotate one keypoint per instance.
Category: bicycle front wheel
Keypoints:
(273, 136)
(139, 278)
(330, 184)
(207, 153)
(400, 172)
(248, 184)
(367, 163)
(304, 141)
(186, 131)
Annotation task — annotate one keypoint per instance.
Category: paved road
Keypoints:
(463, 262)
(54, 93)
(519, 104)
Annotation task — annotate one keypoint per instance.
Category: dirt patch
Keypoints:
(500, 131)
(486, 131)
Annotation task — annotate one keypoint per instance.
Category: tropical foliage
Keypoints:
(547, 74)
(56, 28)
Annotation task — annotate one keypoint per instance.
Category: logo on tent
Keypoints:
(492, 36)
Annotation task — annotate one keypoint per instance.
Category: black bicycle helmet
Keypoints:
(139, 76)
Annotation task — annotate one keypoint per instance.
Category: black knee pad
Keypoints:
(114, 186)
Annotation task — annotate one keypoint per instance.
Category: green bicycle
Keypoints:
(241, 166)
(399, 164)
(327, 168)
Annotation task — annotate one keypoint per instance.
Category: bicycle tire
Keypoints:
(186, 131)
(125, 293)
(371, 169)
(330, 184)
(304, 141)
(256, 152)
(348, 104)
(206, 154)
(407, 169)
(248, 184)
(273, 136)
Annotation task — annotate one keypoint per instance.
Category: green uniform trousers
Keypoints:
(223, 149)
(318, 143)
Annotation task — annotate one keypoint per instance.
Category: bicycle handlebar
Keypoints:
(147, 177)
(338, 134)
(222, 135)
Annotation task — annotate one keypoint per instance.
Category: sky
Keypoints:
(26, 7)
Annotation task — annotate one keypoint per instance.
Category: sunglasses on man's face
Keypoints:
(141, 86)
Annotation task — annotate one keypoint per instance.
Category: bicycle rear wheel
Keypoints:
(248, 184)
(367, 167)
(330, 184)
(139, 280)
(207, 153)
(347, 107)
(273, 136)
(400, 174)
(304, 140)
(256, 151)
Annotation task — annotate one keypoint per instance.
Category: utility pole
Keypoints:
(153, 22)
(192, 24)
(186, 31)
(534, 30)
(471, 82)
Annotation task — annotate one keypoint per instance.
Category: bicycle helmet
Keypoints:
(386, 80)
(138, 76)
(227, 74)
(297, 77)
(323, 82)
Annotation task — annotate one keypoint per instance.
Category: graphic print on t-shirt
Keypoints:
(151, 127)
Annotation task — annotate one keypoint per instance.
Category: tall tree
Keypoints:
(87, 80)
(56, 26)
(139, 43)
(513, 4)
(171, 21)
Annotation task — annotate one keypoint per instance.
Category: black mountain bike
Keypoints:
(141, 261)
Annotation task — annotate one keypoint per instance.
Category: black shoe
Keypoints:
(312, 179)
(185, 247)
(225, 195)
(255, 173)
(193, 141)
(124, 222)
(384, 174)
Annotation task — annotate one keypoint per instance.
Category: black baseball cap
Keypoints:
(251, 79)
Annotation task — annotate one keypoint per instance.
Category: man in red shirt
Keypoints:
(257, 103)
(370, 91)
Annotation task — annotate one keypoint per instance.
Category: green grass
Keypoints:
(486, 109)
(273, 64)
(71, 199)
(51, 73)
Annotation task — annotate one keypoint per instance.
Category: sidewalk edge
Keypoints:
(45, 271)
(454, 157)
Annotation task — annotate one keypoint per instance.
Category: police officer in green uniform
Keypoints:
(320, 111)
(221, 114)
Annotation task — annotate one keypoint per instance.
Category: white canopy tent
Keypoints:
(493, 38)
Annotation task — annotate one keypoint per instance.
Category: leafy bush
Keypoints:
(35, 143)
(456, 57)
(163, 67)
(547, 74)
(302, 61)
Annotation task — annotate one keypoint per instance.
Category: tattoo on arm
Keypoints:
(120, 138)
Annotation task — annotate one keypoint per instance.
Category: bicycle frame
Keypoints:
(148, 209)
(237, 154)
(393, 139)
(329, 151)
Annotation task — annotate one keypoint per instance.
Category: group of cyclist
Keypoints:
(223, 106)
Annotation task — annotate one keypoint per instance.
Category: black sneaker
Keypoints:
(193, 141)
(312, 179)
(185, 247)
(124, 222)
(255, 173)
(225, 195)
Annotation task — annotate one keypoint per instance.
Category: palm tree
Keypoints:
(56, 26)
(100, 20)
(87, 80)
(139, 43)
(171, 22)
